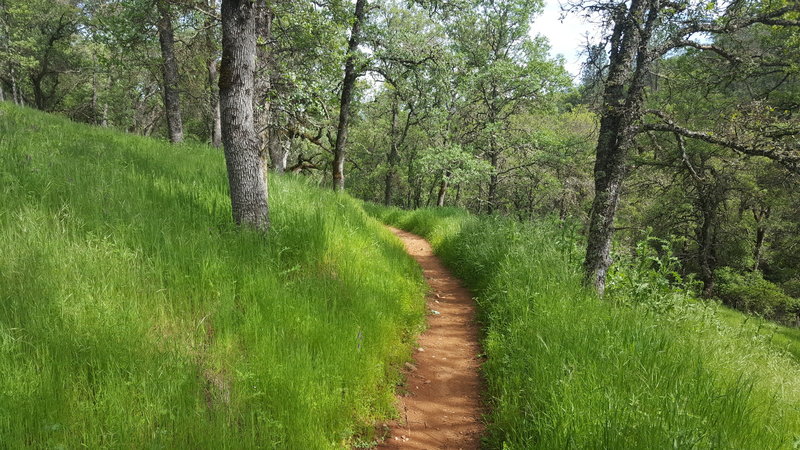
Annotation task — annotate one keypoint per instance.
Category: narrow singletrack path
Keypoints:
(441, 407)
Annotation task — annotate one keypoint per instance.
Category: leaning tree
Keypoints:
(642, 32)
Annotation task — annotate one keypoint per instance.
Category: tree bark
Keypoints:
(216, 119)
(246, 177)
(442, 189)
(169, 69)
(707, 239)
(493, 182)
(278, 150)
(621, 109)
(38, 92)
(348, 85)
(760, 217)
(15, 89)
(264, 116)
(95, 112)
(213, 78)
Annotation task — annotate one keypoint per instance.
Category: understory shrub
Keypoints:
(751, 293)
(792, 287)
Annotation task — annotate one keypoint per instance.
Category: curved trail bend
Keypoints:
(441, 408)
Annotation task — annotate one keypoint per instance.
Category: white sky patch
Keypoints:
(567, 34)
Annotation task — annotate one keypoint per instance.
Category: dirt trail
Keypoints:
(442, 405)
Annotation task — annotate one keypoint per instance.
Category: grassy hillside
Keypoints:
(777, 336)
(566, 370)
(133, 315)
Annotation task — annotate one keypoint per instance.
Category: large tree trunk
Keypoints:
(391, 158)
(348, 85)
(246, 175)
(621, 109)
(169, 69)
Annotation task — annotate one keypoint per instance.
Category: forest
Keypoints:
(192, 196)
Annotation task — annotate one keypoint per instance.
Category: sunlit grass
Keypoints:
(778, 336)
(567, 370)
(132, 314)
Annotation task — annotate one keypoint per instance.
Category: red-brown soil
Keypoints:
(441, 406)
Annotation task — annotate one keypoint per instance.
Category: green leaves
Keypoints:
(454, 163)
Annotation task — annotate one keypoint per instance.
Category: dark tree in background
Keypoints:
(166, 37)
(351, 73)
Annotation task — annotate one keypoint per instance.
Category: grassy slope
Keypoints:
(567, 370)
(133, 315)
(778, 336)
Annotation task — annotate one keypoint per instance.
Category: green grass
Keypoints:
(132, 314)
(778, 336)
(567, 370)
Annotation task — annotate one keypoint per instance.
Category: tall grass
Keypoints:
(132, 314)
(567, 370)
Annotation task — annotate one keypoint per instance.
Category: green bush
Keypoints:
(751, 293)
(792, 287)
(650, 278)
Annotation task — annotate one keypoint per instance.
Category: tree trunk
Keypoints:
(761, 234)
(391, 158)
(104, 119)
(15, 89)
(493, 181)
(264, 116)
(169, 68)
(348, 85)
(442, 190)
(430, 193)
(213, 81)
(216, 119)
(2, 94)
(38, 92)
(621, 109)
(95, 113)
(706, 239)
(246, 177)
(278, 150)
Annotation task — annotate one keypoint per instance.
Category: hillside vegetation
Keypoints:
(133, 314)
(648, 368)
